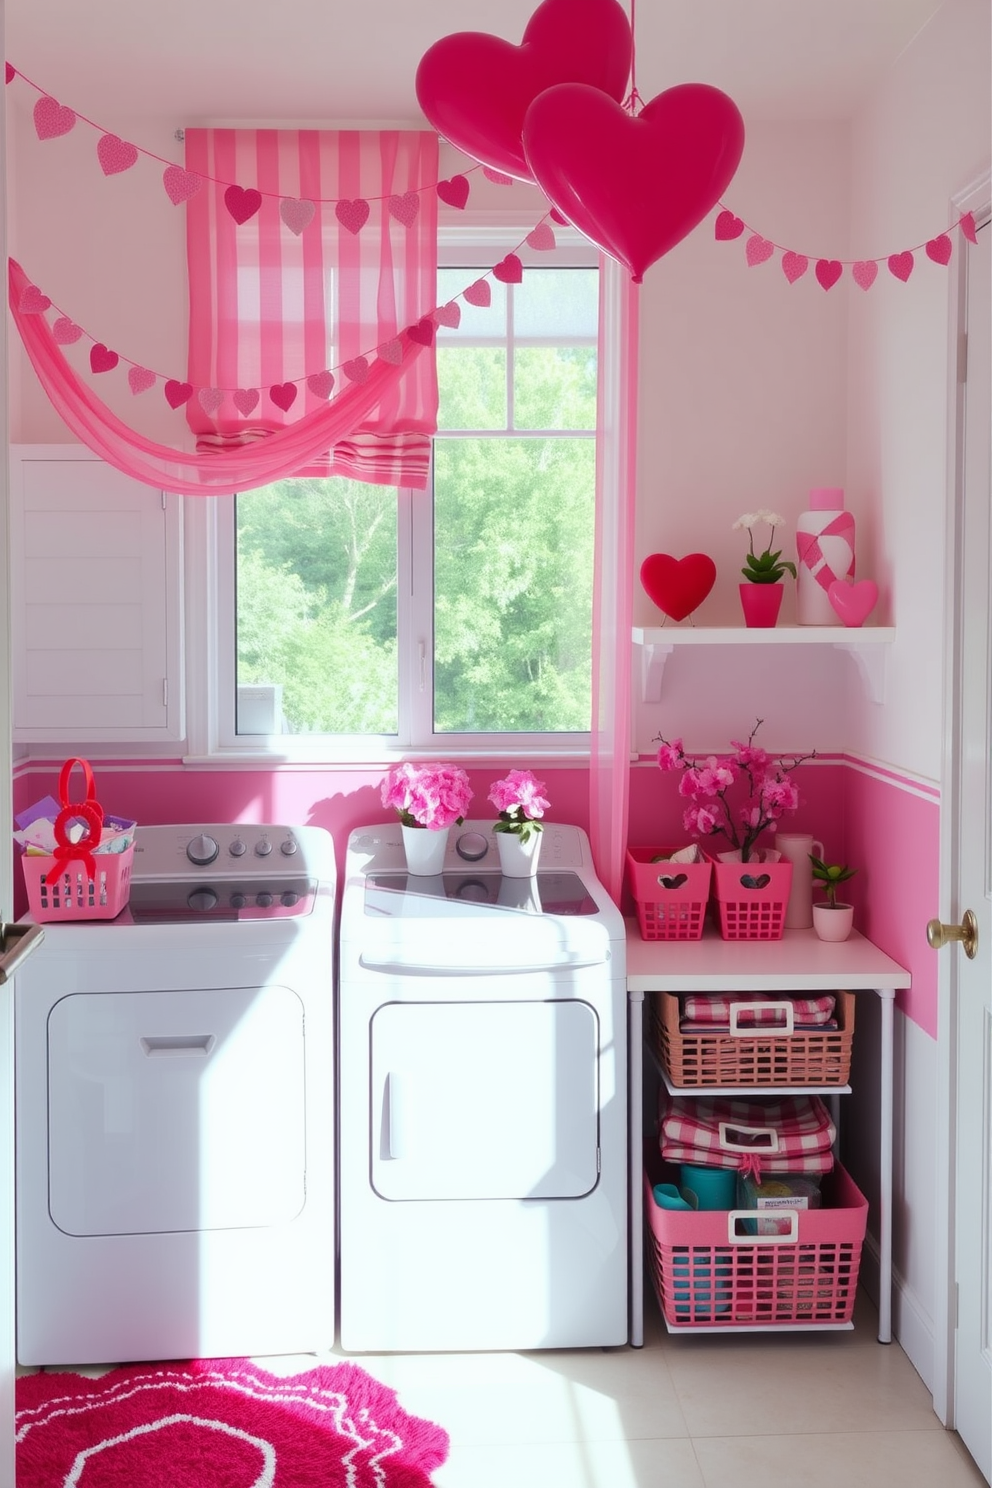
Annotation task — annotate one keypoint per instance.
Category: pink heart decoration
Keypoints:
(102, 359)
(448, 315)
(321, 384)
(865, 272)
(177, 393)
(352, 214)
(32, 301)
(66, 331)
(966, 222)
(479, 293)
(115, 154)
(245, 400)
(140, 379)
(727, 226)
(9, 72)
(283, 395)
(556, 216)
(454, 193)
(677, 585)
(422, 332)
(475, 89)
(853, 602)
(242, 204)
(828, 271)
(210, 398)
(542, 238)
(404, 208)
(297, 213)
(509, 270)
(52, 118)
(901, 265)
(391, 352)
(794, 265)
(180, 184)
(758, 250)
(939, 249)
(357, 370)
(636, 186)
(498, 178)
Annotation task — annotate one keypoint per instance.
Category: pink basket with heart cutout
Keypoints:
(752, 898)
(671, 897)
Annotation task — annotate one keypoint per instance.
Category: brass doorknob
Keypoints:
(939, 934)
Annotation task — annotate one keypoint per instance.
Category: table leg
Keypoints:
(886, 1063)
(635, 1118)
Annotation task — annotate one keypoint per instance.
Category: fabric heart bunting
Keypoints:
(102, 359)
(454, 192)
(283, 395)
(296, 213)
(115, 154)
(242, 204)
(140, 379)
(52, 118)
(177, 393)
(321, 384)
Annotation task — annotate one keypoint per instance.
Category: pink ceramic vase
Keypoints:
(761, 604)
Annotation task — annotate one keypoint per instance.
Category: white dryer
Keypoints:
(175, 1108)
(482, 1100)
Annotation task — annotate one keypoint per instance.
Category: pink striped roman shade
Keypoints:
(274, 302)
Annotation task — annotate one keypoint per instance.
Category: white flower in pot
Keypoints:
(831, 920)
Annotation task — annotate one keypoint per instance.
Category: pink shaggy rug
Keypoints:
(220, 1423)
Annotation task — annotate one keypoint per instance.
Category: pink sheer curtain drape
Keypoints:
(609, 765)
(338, 259)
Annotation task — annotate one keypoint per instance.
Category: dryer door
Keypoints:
(485, 1100)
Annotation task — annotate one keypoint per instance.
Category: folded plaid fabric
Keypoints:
(789, 1134)
(686, 1027)
(715, 1008)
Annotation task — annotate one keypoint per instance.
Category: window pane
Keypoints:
(472, 387)
(316, 607)
(513, 524)
(478, 322)
(557, 303)
(554, 387)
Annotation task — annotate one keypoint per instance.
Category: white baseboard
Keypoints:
(912, 1327)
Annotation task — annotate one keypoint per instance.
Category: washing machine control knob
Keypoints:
(202, 850)
(289, 899)
(264, 900)
(263, 847)
(471, 846)
(289, 847)
(238, 901)
(202, 899)
(238, 848)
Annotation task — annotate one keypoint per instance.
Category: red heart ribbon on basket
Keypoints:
(90, 812)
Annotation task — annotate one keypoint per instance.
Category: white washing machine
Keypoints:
(482, 1112)
(175, 1108)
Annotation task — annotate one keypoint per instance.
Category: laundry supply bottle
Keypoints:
(825, 547)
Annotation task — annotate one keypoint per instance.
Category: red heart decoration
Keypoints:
(864, 272)
(52, 118)
(454, 193)
(475, 89)
(901, 265)
(242, 204)
(794, 265)
(283, 395)
(509, 270)
(479, 293)
(180, 184)
(32, 301)
(115, 154)
(102, 359)
(296, 213)
(66, 331)
(853, 602)
(404, 208)
(634, 185)
(939, 249)
(245, 400)
(352, 214)
(9, 72)
(422, 332)
(321, 384)
(828, 271)
(357, 370)
(677, 585)
(177, 393)
(140, 379)
(727, 226)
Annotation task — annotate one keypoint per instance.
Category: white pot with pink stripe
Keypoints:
(825, 546)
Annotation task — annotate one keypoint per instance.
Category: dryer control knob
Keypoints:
(289, 847)
(202, 899)
(238, 848)
(202, 850)
(263, 847)
(471, 846)
(238, 901)
(264, 900)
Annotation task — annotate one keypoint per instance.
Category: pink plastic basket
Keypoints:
(709, 1273)
(671, 897)
(73, 894)
(752, 899)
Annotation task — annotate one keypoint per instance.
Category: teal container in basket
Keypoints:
(713, 1188)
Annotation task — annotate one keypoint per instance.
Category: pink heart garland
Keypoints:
(352, 215)
(556, 216)
(283, 395)
(828, 271)
(677, 585)
(115, 154)
(297, 213)
(245, 400)
(448, 315)
(9, 71)
(853, 602)
(242, 204)
(479, 293)
(357, 370)
(498, 178)
(454, 193)
(391, 352)
(727, 226)
(864, 273)
(52, 118)
(32, 301)
(966, 222)
(140, 379)
(102, 359)
(758, 250)
(794, 265)
(66, 331)
(177, 393)
(422, 332)
(509, 270)
(404, 208)
(321, 384)
(180, 184)
(901, 265)
(542, 238)
(210, 398)
(939, 249)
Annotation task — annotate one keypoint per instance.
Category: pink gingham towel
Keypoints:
(698, 1008)
(786, 1134)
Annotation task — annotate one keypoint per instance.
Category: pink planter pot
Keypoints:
(761, 604)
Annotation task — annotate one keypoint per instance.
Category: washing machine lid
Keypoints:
(460, 893)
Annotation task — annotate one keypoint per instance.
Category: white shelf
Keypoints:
(800, 961)
(866, 645)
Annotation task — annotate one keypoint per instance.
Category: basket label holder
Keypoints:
(766, 1030)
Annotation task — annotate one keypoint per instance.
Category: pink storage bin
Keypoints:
(72, 894)
(752, 899)
(671, 897)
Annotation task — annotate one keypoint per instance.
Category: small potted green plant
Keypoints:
(831, 920)
(759, 601)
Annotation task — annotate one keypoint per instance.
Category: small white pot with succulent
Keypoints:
(832, 920)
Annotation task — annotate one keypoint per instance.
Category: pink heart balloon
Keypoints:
(475, 89)
(635, 186)
(853, 602)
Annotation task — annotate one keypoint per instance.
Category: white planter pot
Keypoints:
(425, 849)
(833, 922)
(518, 859)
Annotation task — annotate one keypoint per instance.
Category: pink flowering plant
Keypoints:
(519, 798)
(427, 795)
(710, 783)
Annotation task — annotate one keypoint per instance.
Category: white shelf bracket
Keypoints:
(654, 654)
(870, 662)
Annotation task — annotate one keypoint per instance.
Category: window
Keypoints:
(460, 616)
